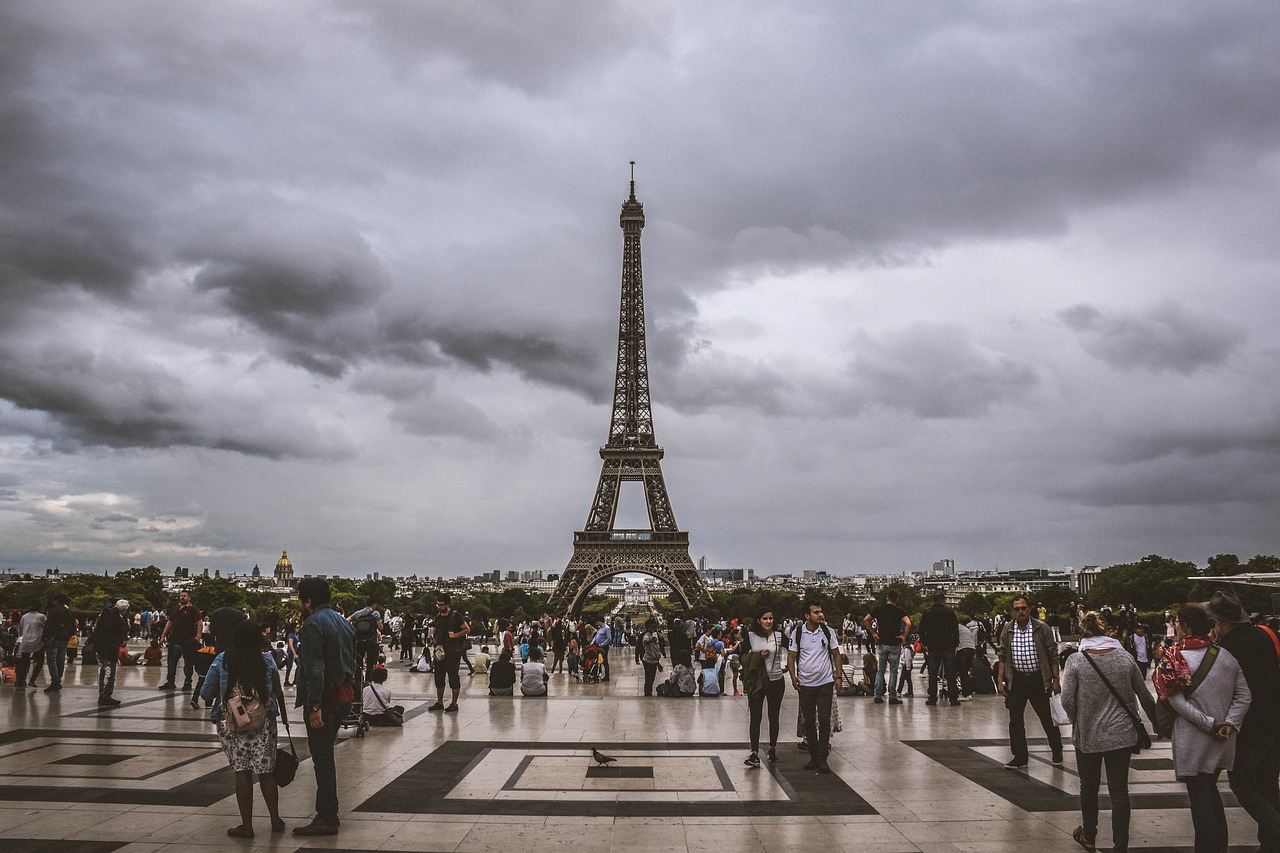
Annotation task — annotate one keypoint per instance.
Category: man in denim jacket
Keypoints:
(325, 689)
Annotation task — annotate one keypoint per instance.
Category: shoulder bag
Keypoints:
(1166, 716)
(1144, 739)
(286, 762)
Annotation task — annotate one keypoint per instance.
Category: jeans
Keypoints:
(56, 659)
(964, 663)
(1089, 766)
(650, 675)
(888, 658)
(1029, 687)
(755, 701)
(1254, 782)
(1207, 815)
(187, 651)
(815, 707)
(944, 659)
(320, 742)
(106, 676)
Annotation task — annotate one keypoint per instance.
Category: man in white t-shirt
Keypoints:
(814, 664)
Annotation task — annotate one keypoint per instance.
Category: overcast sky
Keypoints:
(994, 282)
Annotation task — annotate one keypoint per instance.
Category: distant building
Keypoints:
(284, 570)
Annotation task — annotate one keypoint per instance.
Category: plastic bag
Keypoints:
(1058, 712)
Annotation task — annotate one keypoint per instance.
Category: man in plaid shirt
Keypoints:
(1028, 673)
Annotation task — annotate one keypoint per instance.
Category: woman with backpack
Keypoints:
(243, 686)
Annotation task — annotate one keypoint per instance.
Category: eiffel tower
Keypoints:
(601, 550)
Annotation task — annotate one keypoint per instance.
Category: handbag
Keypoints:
(1166, 716)
(286, 762)
(1057, 711)
(438, 653)
(1144, 739)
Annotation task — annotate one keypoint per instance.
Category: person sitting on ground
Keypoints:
(154, 655)
(376, 699)
(533, 677)
(502, 675)
(482, 660)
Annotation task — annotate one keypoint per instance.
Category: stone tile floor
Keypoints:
(515, 774)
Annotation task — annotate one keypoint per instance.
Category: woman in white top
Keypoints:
(533, 676)
(770, 644)
(376, 699)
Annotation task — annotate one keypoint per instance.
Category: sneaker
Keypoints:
(435, 706)
(811, 764)
(53, 688)
(317, 827)
(186, 685)
(1015, 764)
(753, 760)
(773, 757)
(931, 702)
(822, 766)
(195, 703)
(895, 701)
(1057, 761)
(452, 709)
(108, 701)
(168, 685)
(879, 700)
(955, 703)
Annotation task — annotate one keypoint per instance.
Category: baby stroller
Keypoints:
(355, 717)
(592, 665)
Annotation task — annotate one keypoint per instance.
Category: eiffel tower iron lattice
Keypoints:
(631, 454)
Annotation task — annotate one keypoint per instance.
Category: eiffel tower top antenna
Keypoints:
(633, 181)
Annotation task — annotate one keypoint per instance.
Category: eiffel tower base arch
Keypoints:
(598, 556)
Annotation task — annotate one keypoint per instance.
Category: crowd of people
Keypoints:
(1215, 674)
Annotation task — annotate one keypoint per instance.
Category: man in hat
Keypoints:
(109, 634)
(1257, 767)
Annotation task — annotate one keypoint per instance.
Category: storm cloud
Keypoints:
(353, 271)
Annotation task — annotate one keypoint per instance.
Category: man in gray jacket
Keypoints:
(1028, 673)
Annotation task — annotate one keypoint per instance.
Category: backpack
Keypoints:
(366, 625)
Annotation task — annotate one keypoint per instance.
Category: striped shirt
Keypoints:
(1022, 647)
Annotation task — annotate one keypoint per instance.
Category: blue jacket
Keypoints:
(327, 650)
(215, 686)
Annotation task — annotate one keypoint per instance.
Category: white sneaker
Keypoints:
(966, 698)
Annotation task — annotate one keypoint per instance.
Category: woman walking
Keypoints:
(1206, 688)
(246, 671)
(1102, 688)
(651, 651)
(764, 663)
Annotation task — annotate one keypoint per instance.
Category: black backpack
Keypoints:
(366, 625)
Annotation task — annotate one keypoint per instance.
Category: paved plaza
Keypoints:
(515, 774)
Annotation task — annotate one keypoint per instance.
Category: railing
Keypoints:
(609, 537)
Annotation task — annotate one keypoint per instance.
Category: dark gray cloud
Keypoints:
(1167, 337)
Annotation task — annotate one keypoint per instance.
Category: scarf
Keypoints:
(1100, 643)
(1172, 672)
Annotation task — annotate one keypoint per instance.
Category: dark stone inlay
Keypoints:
(201, 792)
(93, 758)
(423, 788)
(619, 772)
(1152, 764)
(38, 845)
(1031, 794)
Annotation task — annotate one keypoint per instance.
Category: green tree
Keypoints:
(1152, 583)
(211, 593)
(974, 603)
(149, 584)
(382, 589)
(1259, 563)
(1224, 564)
(1056, 599)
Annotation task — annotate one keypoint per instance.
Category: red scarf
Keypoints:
(1195, 642)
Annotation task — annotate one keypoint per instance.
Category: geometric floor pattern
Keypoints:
(507, 773)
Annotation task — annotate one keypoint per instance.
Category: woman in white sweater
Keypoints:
(1204, 741)
(1103, 729)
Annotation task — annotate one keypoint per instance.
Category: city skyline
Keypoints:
(989, 283)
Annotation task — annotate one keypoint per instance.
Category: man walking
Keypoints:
(327, 673)
(182, 627)
(814, 664)
(451, 630)
(1028, 672)
(59, 625)
(110, 633)
(32, 633)
(1254, 777)
(888, 624)
(940, 635)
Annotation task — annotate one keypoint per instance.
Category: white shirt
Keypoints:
(372, 693)
(813, 657)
